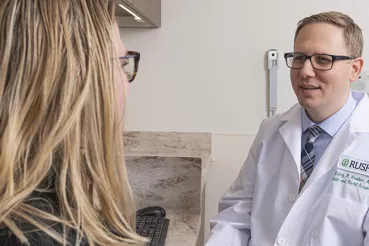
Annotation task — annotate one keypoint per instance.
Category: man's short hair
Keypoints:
(351, 31)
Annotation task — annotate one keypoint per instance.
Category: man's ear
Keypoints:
(357, 66)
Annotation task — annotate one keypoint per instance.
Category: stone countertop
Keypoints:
(182, 229)
(169, 182)
(170, 144)
(177, 144)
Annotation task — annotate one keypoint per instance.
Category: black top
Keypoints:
(35, 236)
(48, 201)
(38, 238)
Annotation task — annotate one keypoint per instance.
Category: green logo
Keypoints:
(345, 162)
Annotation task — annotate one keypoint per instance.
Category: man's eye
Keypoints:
(299, 58)
(323, 59)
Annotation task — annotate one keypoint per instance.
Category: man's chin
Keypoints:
(309, 104)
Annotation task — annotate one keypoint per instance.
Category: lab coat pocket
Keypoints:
(338, 222)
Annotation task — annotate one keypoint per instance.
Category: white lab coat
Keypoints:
(263, 207)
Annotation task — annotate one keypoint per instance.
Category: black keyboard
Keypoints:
(153, 228)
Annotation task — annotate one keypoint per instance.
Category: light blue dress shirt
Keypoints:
(330, 127)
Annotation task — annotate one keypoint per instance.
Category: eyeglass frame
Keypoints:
(334, 58)
(137, 56)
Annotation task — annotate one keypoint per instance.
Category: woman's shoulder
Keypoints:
(47, 202)
(7, 238)
(35, 238)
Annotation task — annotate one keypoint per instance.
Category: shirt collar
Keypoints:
(333, 123)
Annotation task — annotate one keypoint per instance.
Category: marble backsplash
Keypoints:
(170, 182)
(168, 144)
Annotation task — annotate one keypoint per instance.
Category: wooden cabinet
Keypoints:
(147, 12)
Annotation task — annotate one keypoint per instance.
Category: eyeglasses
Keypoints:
(130, 64)
(323, 62)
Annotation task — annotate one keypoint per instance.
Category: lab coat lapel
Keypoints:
(291, 133)
(340, 142)
(358, 122)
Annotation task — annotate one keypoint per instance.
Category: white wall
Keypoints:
(203, 70)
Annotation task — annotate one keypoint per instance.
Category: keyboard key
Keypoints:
(153, 229)
(155, 242)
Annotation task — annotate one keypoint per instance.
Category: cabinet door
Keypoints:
(125, 2)
(148, 10)
(155, 12)
(143, 6)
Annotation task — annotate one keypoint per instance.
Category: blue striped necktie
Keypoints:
(308, 155)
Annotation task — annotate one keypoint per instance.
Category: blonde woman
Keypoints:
(63, 179)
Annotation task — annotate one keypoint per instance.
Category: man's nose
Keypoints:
(307, 70)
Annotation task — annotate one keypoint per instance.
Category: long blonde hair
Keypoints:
(59, 114)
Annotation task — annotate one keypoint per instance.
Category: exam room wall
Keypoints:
(204, 71)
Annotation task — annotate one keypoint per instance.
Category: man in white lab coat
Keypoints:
(306, 178)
